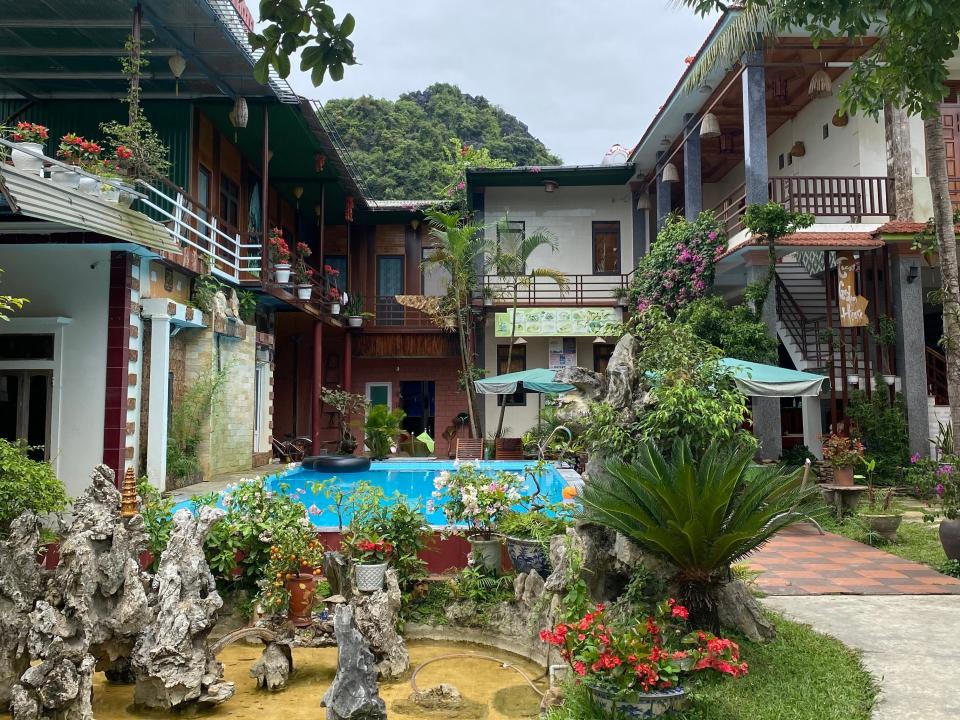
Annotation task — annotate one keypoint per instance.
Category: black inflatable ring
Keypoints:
(337, 463)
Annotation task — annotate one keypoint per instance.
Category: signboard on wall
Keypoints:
(557, 322)
(853, 307)
(563, 353)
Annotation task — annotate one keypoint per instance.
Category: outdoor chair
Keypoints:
(289, 451)
(508, 449)
(469, 449)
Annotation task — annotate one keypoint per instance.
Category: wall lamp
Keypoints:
(913, 273)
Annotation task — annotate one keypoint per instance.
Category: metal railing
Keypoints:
(388, 312)
(578, 290)
(811, 334)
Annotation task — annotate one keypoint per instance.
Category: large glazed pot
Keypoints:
(950, 538)
(648, 705)
(527, 555)
(486, 552)
(303, 592)
(883, 525)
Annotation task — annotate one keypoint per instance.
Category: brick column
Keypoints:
(118, 363)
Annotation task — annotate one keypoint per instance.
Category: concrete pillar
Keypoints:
(159, 400)
(899, 163)
(812, 424)
(692, 171)
(911, 348)
(348, 361)
(755, 129)
(640, 221)
(766, 411)
(317, 382)
(664, 201)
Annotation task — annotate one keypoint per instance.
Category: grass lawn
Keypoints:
(799, 676)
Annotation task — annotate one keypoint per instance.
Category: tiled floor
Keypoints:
(799, 561)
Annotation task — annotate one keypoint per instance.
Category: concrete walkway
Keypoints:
(219, 482)
(909, 644)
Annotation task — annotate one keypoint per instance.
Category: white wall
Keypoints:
(568, 213)
(72, 282)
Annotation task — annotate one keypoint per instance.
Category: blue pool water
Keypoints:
(412, 479)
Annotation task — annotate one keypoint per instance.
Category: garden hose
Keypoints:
(502, 663)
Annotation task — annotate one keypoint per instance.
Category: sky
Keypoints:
(581, 75)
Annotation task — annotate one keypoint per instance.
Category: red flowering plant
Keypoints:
(279, 250)
(333, 294)
(370, 551)
(842, 451)
(302, 271)
(24, 132)
(655, 653)
(69, 149)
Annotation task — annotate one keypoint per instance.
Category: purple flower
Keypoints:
(712, 235)
(945, 470)
(915, 458)
(939, 490)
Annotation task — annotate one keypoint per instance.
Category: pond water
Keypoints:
(489, 691)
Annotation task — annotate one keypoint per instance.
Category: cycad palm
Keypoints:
(511, 262)
(700, 514)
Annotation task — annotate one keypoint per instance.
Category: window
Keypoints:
(203, 197)
(17, 346)
(601, 356)
(434, 280)
(389, 284)
(338, 263)
(230, 201)
(781, 162)
(518, 362)
(826, 131)
(509, 235)
(606, 248)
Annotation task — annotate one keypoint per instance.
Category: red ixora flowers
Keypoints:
(29, 132)
(124, 153)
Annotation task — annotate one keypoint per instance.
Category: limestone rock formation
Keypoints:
(58, 687)
(20, 587)
(737, 608)
(376, 616)
(574, 407)
(354, 694)
(272, 670)
(528, 588)
(621, 374)
(172, 661)
(438, 697)
(337, 570)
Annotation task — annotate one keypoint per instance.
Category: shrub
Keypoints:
(157, 513)
(187, 422)
(382, 428)
(26, 484)
(735, 330)
(883, 430)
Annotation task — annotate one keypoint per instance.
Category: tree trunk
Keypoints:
(467, 374)
(513, 333)
(947, 245)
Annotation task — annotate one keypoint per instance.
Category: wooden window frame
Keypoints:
(593, 246)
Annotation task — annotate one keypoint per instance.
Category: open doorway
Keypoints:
(418, 402)
(25, 409)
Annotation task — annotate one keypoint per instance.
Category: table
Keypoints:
(844, 498)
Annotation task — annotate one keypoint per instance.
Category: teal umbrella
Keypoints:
(537, 380)
(759, 380)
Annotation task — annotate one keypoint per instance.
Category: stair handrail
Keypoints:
(796, 321)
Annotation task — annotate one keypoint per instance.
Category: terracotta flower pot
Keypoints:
(883, 525)
(950, 538)
(843, 476)
(303, 591)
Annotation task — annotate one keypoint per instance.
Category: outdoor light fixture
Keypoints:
(415, 224)
(298, 193)
(727, 143)
(821, 85)
(177, 63)
(520, 341)
(709, 127)
(670, 174)
(240, 113)
(853, 379)
(550, 185)
(599, 341)
(913, 273)
(643, 201)
(318, 211)
(781, 91)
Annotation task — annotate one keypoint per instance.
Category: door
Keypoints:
(950, 114)
(380, 394)
(606, 248)
(417, 401)
(25, 409)
(389, 284)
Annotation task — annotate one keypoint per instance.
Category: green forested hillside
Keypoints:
(401, 145)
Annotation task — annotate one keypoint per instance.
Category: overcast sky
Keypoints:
(582, 74)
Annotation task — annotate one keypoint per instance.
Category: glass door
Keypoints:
(25, 409)
(389, 284)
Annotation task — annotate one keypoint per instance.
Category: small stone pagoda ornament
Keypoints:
(129, 501)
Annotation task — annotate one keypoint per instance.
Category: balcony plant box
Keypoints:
(335, 308)
(279, 256)
(354, 311)
(305, 291)
(355, 321)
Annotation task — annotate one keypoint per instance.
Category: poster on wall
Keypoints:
(558, 322)
(853, 307)
(563, 353)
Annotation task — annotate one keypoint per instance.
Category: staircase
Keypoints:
(802, 320)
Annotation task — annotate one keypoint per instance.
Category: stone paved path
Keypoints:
(909, 644)
(800, 561)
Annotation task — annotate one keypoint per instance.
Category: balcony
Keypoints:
(389, 315)
(849, 198)
(581, 290)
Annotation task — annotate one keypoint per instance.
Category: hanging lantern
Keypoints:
(821, 85)
(177, 63)
(840, 119)
(799, 149)
(318, 211)
(728, 143)
(643, 201)
(240, 113)
(348, 209)
(298, 193)
(709, 127)
(781, 91)
(319, 160)
(670, 174)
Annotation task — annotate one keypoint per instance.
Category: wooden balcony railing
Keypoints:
(849, 197)
(579, 290)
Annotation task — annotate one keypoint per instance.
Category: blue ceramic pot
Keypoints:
(647, 705)
(527, 555)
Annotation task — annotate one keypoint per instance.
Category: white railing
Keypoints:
(226, 254)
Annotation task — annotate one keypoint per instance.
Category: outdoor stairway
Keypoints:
(802, 319)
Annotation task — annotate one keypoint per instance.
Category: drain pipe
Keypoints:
(502, 663)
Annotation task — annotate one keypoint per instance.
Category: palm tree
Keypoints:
(511, 263)
(461, 252)
(700, 514)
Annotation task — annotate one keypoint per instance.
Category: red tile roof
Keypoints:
(831, 240)
(900, 227)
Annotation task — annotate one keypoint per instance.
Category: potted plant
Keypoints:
(880, 516)
(303, 273)
(69, 152)
(938, 480)
(528, 536)
(333, 297)
(381, 430)
(279, 256)
(370, 566)
(290, 577)
(91, 163)
(842, 453)
(636, 669)
(476, 501)
(345, 404)
(29, 137)
(488, 295)
(621, 294)
(355, 312)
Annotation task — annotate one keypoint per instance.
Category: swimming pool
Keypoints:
(413, 479)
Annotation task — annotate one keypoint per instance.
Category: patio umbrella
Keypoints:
(537, 380)
(759, 380)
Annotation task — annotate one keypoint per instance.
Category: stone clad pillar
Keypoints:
(692, 171)
(756, 174)
(896, 124)
(766, 411)
(664, 202)
(159, 400)
(911, 348)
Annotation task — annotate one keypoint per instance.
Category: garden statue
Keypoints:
(173, 664)
(20, 587)
(354, 694)
(95, 607)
